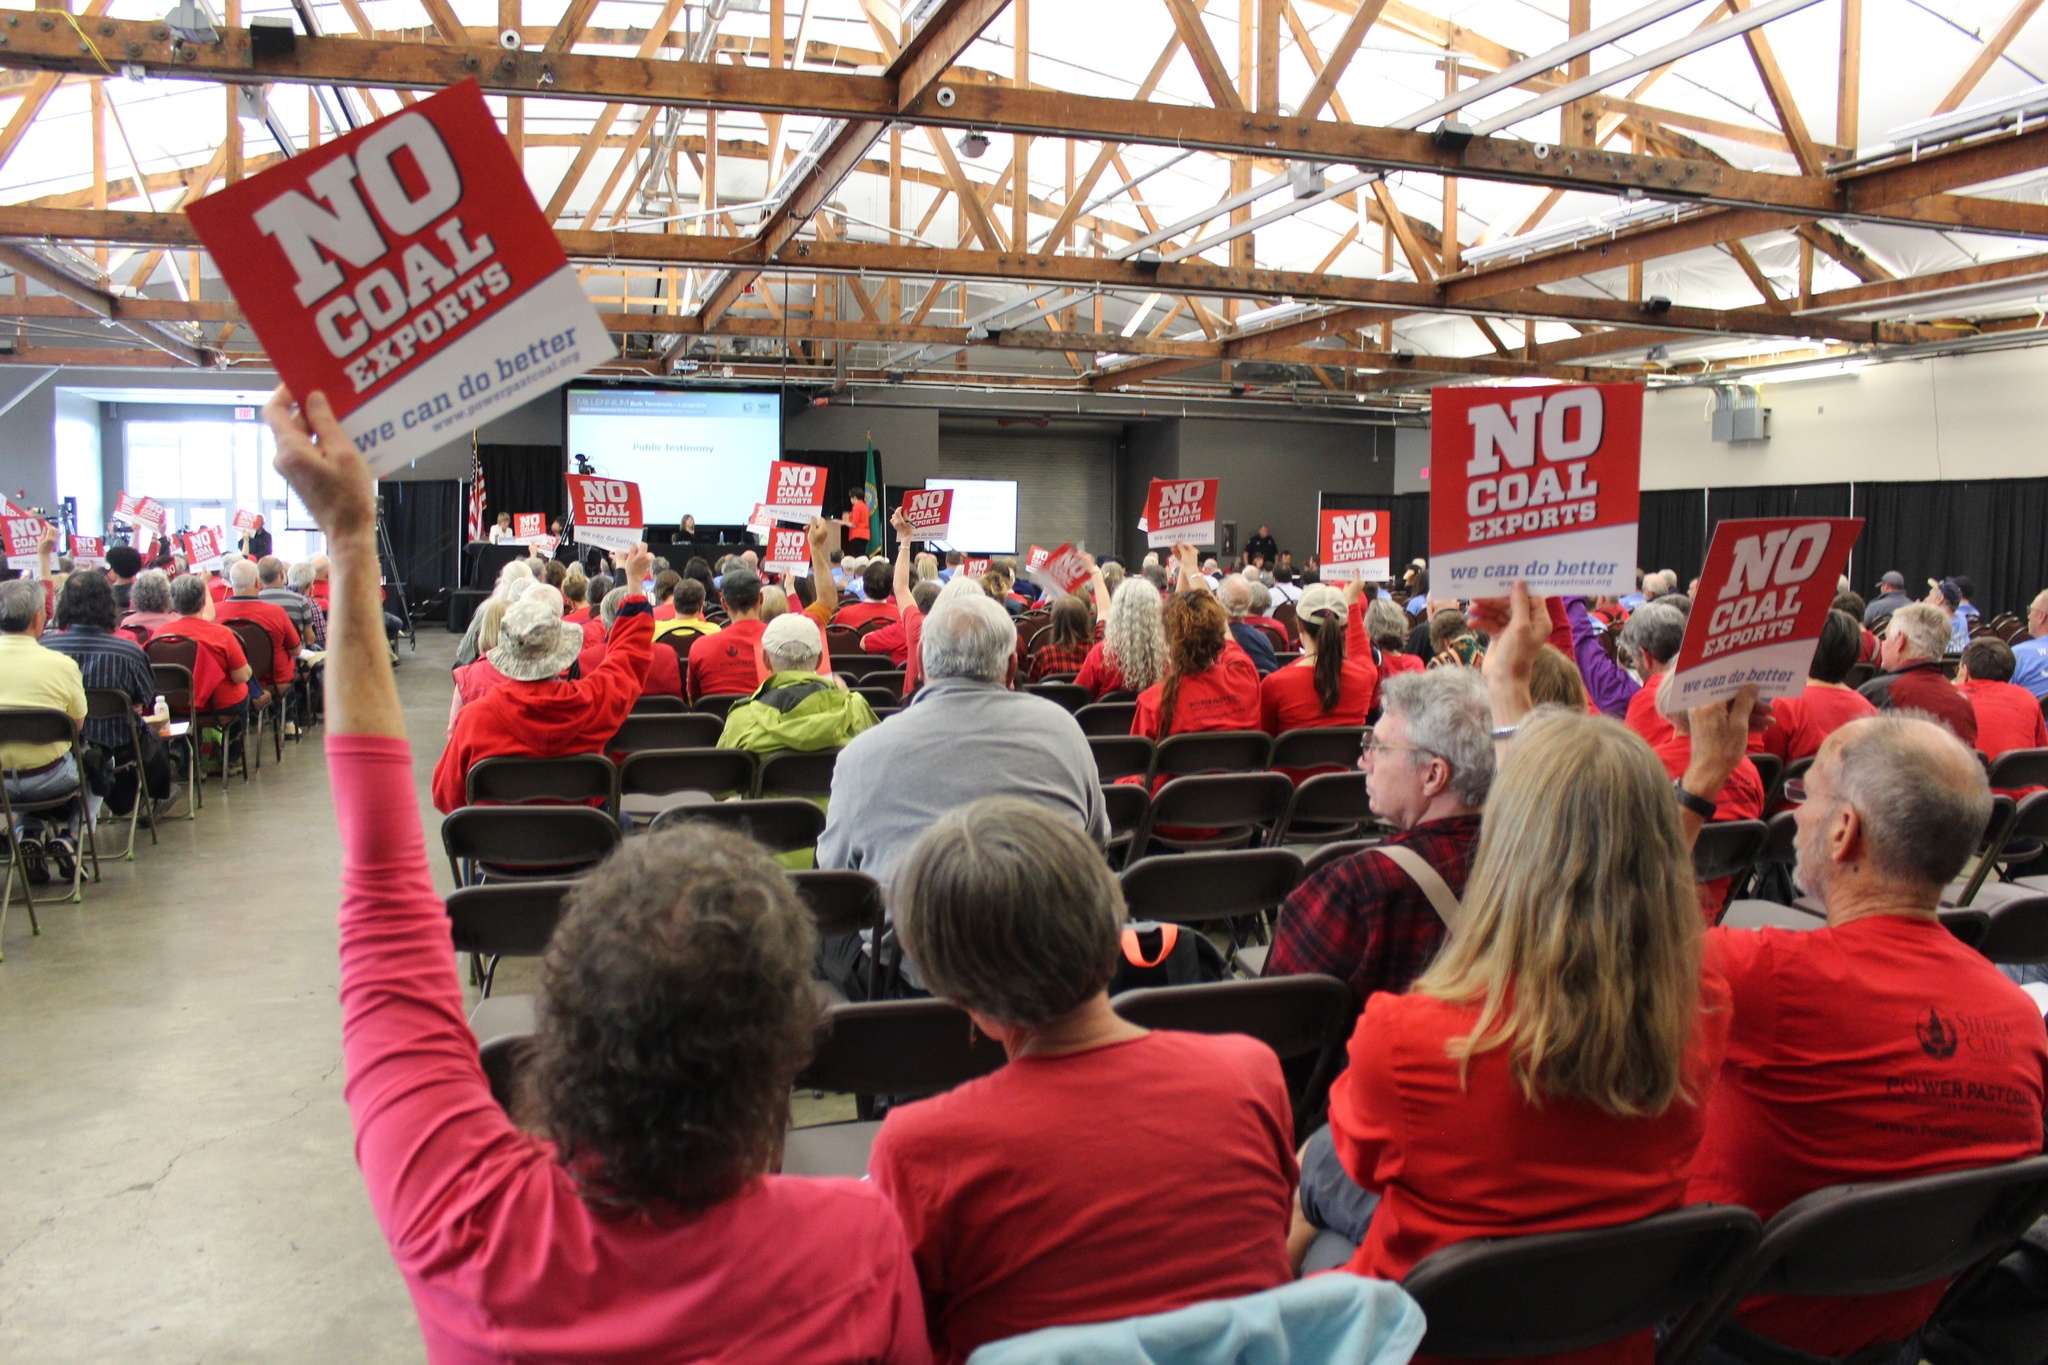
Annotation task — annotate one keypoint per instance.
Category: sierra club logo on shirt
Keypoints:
(1938, 1037)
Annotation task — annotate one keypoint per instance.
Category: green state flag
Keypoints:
(871, 490)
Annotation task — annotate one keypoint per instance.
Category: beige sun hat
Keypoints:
(532, 641)
(1317, 601)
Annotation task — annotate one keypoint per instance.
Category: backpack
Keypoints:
(1156, 954)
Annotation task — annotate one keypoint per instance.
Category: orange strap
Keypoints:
(1169, 934)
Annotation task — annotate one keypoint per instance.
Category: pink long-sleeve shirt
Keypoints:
(504, 1259)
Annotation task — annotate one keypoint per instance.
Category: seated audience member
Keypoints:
(1963, 610)
(1649, 642)
(472, 680)
(1000, 583)
(635, 1214)
(796, 708)
(877, 599)
(726, 664)
(1428, 766)
(1452, 641)
(1610, 686)
(1388, 628)
(1913, 679)
(925, 567)
(894, 781)
(108, 659)
(1285, 588)
(271, 575)
(534, 713)
(515, 572)
(245, 605)
(1262, 606)
(2030, 656)
(699, 569)
(955, 561)
(665, 581)
(686, 615)
(217, 581)
(1554, 681)
(1801, 722)
(774, 602)
(664, 670)
(552, 572)
(1891, 596)
(221, 682)
(1333, 682)
(575, 596)
(299, 580)
(1549, 1071)
(1417, 578)
(1131, 655)
(1037, 1196)
(1070, 639)
(149, 605)
(593, 624)
(2008, 717)
(1210, 683)
(1235, 593)
(1876, 1048)
(1854, 605)
(31, 674)
(893, 640)
(124, 563)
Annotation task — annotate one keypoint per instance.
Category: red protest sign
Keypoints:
(139, 511)
(789, 551)
(1537, 484)
(1353, 544)
(245, 521)
(203, 547)
(975, 568)
(607, 511)
(930, 512)
(88, 550)
(529, 526)
(405, 271)
(1179, 510)
(1763, 599)
(1061, 570)
(24, 531)
(796, 492)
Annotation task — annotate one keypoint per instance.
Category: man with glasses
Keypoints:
(1372, 919)
(2030, 657)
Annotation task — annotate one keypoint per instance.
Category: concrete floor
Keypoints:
(176, 1158)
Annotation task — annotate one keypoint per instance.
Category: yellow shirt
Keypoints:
(692, 626)
(33, 676)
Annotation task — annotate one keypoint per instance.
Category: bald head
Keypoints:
(1920, 800)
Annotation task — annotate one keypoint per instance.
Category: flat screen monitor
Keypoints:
(984, 515)
(693, 452)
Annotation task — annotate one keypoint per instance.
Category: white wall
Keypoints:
(1957, 417)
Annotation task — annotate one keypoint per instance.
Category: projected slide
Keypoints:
(701, 454)
(984, 515)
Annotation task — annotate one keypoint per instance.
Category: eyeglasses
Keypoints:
(1375, 749)
(1794, 791)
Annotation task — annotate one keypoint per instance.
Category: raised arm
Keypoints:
(1190, 567)
(1098, 587)
(821, 569)
(900, 524)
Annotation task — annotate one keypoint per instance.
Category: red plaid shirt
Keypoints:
(1365, 920)
(1057, 659)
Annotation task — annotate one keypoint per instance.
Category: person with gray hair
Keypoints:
(149, 603)
(1649, 642)
(964, 735)
(795, 707)
(1913, 679)
(245, 605)
(221, 676)
(1036, 1196)
(270, 572)
(1236, 595)
(32, 675)
(1375, 919)
(1873, 1046)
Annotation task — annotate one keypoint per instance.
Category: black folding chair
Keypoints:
(1999, 831)
(1855, 1240)
(525, 843)
(792, 772)
(258, 648)
(1326, 808)
(1070, 695)
(1121, 756)
(1237, 809)
(43, 725)
(781, 826)
(891, 678)
(112, 704)
(1213, 751)
(652, 780)
(1209, 888)
(2019, 768)
(1126, 804)
(856, 667)
(1726, 848)
(1106, 717)
(505, 919)
(182, 652)
(844, 902)
(1330, 853)
(662, 731)
(880, 699)
(2015, 927)
(569, 780)
(173, 683)
(1771, 770)
(1296, 1016)
(899, 1048)
(660, 705)
(1335, 746)
(1565, 1291)
(718, 703)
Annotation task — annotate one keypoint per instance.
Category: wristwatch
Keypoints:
(1698, 805)
(1501, 732)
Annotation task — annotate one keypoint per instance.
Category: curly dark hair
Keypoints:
(1196, 629)
(87, 600)
(675, 1009)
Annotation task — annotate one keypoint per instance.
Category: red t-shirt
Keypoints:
(727, 663)
(218, 590)
(2008, 716)
(1288, 700)
(892, 640)
(318, 590)
(1456, 1160)
(665, 612)
(854, 615)
(1099, 673)
(1878, 1050)
(1130, 1179)
(1644, 718)
(1394, 662)
(1809, 718)
(284, 637)
(664, 670)
(1742, 798)
(220, 642)
(1223, 696)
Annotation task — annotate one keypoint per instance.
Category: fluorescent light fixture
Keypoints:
(1793, 374)
(1984, 116)
(1285, 309)
(1607, 224)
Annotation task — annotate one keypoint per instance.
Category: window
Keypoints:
(205, 471)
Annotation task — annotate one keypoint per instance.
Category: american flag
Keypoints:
(476, 494)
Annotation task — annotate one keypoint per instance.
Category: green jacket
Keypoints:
(795, 710)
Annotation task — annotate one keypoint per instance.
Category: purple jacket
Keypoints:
(1608, 684)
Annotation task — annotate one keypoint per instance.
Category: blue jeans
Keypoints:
(49, 785)
(2024, 973)
(1330, 1198)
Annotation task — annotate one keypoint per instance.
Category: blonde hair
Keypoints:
(1554, 680)
(774, 602)
(927, 567)
(1580, 934)
(487, 633)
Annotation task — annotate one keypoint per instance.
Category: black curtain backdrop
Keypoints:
(1989, 529)
(1782, 500)
(523, 479)
(1408, 536)
(1672, 532)
(424, 520)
